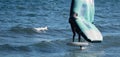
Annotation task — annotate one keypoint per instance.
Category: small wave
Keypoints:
(42, 46)
(28, 14)
(20, 7)
(40, 29)
(52, 46)
(8, 47)
(18, 29)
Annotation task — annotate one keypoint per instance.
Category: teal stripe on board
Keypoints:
(85, 9)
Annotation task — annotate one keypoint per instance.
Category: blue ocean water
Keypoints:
(18, 18)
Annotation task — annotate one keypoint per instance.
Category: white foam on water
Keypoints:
(40, 29)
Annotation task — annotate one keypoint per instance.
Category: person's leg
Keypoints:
(73, 31)
(79, 34)
(79, 37)
(72, 23)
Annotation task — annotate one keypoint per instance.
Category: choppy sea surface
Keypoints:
(19, 18)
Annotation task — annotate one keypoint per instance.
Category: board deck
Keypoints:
(89, 31)
(78, 43)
